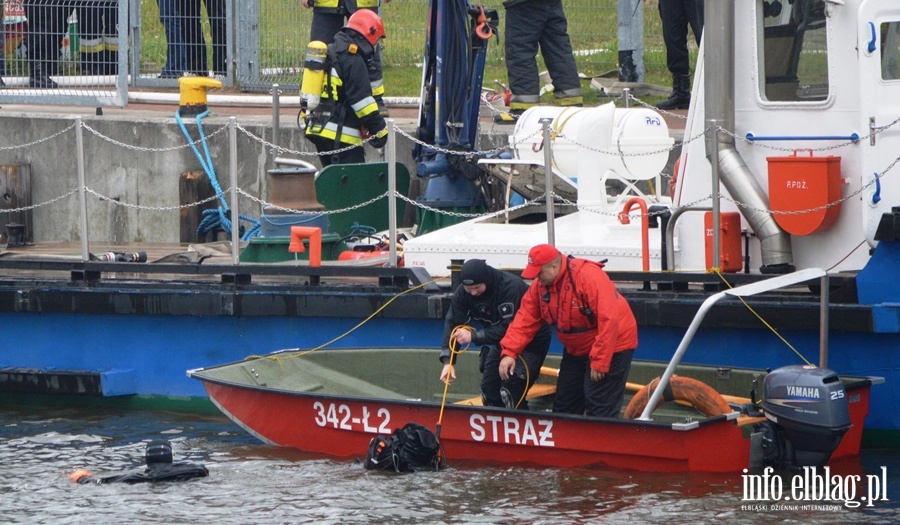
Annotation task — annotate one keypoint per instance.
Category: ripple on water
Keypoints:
(254, 483)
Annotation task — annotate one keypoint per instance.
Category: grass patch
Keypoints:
(284, 34)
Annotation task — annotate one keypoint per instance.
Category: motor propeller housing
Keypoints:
(807, 414)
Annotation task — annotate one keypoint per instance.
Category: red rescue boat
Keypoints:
(335, 401)
(690, 418)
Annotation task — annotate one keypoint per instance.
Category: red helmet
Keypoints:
(367, 23)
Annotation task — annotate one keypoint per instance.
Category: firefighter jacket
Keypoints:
(494, 310)
(347, 103)
(344, 6)
(583, 306)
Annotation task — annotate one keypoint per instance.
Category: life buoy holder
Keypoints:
(693, 392)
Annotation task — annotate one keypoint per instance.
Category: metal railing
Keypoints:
(106, 47)
(49, 57)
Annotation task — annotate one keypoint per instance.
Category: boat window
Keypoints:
(794, 50)
(890, 51)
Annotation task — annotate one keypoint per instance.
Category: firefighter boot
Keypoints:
(382, 107)
(681, 94)
(38, 78)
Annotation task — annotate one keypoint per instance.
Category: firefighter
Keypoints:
(592, 320)
(677, 16)
(98, 36)
(47, 21)
(195, 42)
(329, 17)
(530, 23)
(347, 112)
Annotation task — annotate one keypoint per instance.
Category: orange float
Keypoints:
(693, 392)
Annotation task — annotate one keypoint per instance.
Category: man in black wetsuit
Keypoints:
(159, 468)
(492, 298)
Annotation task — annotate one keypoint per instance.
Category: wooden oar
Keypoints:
(536, 390)
(547, 371)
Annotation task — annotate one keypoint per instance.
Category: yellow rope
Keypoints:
(527, 380)
(348, 332)
(453, 353)
(718, 272)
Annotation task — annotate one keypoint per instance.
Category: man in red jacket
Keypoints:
(592, 320)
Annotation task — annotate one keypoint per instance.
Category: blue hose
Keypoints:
(218, 218)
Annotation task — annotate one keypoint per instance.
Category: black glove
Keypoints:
(379, 140)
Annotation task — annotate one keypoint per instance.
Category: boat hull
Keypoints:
(344, 427)
(334, 402)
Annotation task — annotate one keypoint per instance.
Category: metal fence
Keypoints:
(96, 49)
(49, 57)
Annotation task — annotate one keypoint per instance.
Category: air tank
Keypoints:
(592, 145)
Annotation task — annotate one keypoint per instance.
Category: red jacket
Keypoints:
(558, 305)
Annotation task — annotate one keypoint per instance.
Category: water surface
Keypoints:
(254, 483)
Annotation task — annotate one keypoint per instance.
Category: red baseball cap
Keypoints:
(537, 258)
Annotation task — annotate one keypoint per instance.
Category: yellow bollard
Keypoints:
(193, 94)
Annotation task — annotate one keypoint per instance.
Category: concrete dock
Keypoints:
(134, 157)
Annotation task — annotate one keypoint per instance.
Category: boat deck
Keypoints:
(411, 375)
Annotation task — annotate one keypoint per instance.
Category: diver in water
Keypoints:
(159, 468)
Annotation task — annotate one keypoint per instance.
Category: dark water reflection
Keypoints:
(254, 483)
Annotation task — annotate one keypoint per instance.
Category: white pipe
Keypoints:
(240, 100)
(102, 85)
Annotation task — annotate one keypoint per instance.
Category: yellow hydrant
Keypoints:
(193, 94)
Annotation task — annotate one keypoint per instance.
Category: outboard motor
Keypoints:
(808, 414)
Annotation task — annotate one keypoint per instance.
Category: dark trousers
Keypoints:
(196, 59)
(47, 21)
(96, 19)
(577, 394)
(539, 23)
(676, 16)
(523, 377)
(352, 156)
(97, 26)
(170, 18)
(2, 45)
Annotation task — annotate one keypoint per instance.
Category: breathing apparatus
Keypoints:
(313, 79)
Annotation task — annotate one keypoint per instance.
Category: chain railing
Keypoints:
(559, 199)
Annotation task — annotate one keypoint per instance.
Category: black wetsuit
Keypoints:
(495, 309)
(181, 471)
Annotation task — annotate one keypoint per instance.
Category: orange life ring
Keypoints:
(696, 393)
